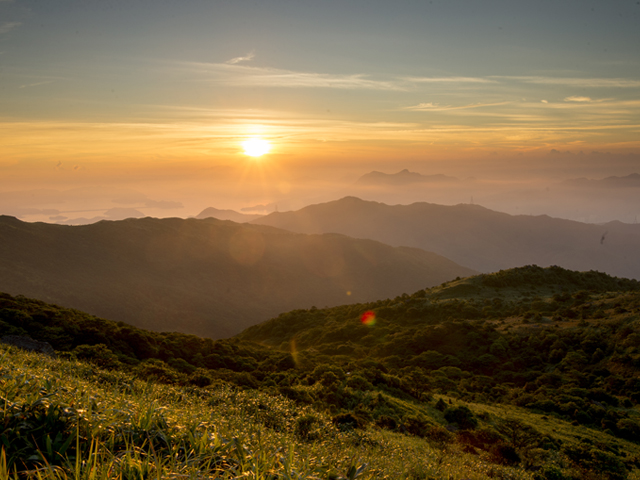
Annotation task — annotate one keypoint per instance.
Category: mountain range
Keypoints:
(403, 177)
(207, 277)
(628, 181)
(474, 236)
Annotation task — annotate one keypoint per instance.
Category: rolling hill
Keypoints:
(527, 373)
(207, 277)
(475, 236)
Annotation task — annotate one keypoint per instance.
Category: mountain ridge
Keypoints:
(211, 277)
(475, 236)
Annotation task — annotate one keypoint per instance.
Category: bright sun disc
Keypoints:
(256, 147)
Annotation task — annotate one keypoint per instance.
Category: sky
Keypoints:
(128, 108)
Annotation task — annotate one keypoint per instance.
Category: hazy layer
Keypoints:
(582, 187)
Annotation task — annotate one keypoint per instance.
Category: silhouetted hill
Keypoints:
(475, 236)
(628, 181)
(403, 177)
(227, 215)
(208, 277)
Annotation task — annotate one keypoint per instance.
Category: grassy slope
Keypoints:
(110, 425)
(555, 351)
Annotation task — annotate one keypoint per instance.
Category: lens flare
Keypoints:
(368, 318)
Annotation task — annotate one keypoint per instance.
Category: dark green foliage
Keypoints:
(462, 417)
(535, 276)
(551, 473)
(606, 465)
(306, 428)
(98, 354)
(439, 436)
(348, 421)
(517, 434)
(471, 347)
(37, 431)
(504, 454)
(387, 422)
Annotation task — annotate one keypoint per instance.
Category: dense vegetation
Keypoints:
(525, 373)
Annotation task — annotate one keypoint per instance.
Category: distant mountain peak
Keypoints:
(227, 215)
(631, 180)
(403, 177)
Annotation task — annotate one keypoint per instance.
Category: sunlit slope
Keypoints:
(520, 371)
(475, 236)
(207, 277)
(514, 299)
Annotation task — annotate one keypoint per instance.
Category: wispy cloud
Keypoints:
(575, 82)
(29, 85)
(247, 58)
(577, 98)
(434, 107)
(449, 79)
(246, 76)
(6, 27)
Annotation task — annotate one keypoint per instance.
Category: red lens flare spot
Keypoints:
(368, 318)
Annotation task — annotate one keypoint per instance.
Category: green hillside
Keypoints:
(526, 373)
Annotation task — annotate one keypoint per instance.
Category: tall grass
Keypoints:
(64, 419)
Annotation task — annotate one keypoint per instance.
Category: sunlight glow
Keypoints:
(256, 147)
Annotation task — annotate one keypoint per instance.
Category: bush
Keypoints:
(440, 405)
(304, 429)
(504, 454)
(439, 436)
(348, 421)
(200, 378)
(604, 464)
(550, 473)
(416, 425)
(385, 421)
(357, 382)
(462, 417)
(98, 354)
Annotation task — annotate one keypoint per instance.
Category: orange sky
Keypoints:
(156, 99)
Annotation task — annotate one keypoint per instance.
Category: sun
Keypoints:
(256, 147)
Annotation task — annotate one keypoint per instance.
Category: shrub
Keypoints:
(504, 454)
(154, 369)
(357, 382)
(462, 417)
(98, 354)
(440, 405)
(304, 429)
(385, 421)
(415, 425)
(550, 473)
(348, 421)
(200, 378)
(604, 464)
(439, 435)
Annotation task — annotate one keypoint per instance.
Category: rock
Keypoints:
(29, 344)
